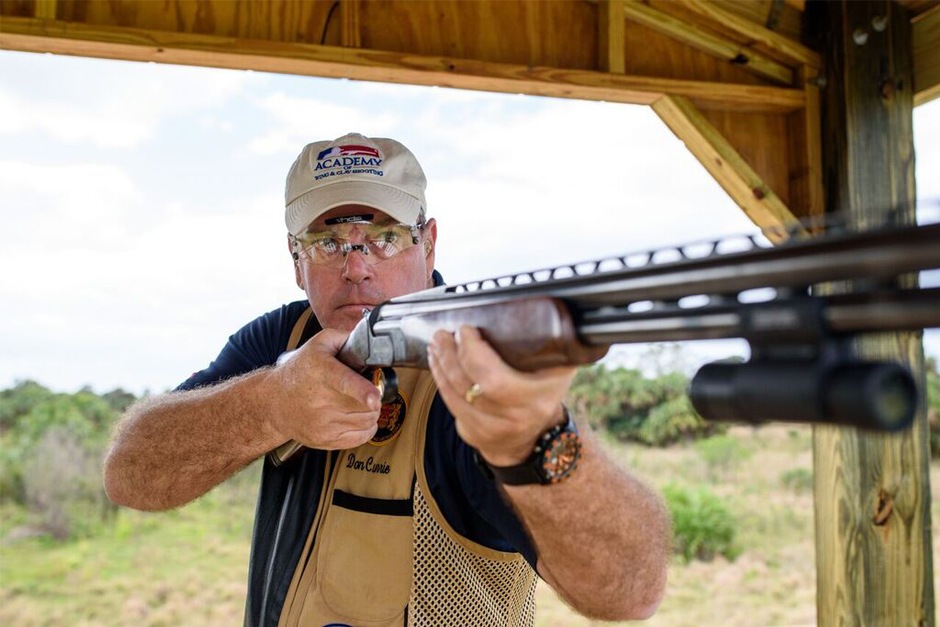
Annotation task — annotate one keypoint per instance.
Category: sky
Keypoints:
(142, 204)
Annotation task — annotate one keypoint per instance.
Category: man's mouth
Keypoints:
(355, 307)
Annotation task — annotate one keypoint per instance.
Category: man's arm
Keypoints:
(171, 449)
(602, 537)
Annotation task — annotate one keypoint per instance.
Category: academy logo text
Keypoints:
(352, 159)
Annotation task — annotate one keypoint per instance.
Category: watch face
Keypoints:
(561, 457)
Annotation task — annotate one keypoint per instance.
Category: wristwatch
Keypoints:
(555, 457)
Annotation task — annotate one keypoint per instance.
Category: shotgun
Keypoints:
(802, 367)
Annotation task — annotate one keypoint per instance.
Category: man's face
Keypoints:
(338, 295)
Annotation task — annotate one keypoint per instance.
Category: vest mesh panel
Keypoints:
(452, 586)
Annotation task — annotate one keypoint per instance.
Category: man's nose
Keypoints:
(355, 268)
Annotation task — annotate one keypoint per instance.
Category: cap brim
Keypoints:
(308, 207)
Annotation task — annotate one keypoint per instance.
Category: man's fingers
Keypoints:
(470, 417)
(329, 340)
(355, 437)
(353, 385)
(483, 364)
(480, 361)
(444, 350)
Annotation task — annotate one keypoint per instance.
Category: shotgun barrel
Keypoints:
(802, 367)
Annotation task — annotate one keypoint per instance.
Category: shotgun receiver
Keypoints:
(801, 368)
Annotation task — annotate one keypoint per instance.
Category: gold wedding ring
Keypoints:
(474, 391)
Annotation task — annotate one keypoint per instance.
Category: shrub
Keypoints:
(721, 453)
(933, 406)
(702, 526)
(797, 479)
(62, 484)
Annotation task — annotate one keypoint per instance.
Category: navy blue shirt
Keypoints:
(469, 501)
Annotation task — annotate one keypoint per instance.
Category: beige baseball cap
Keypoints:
(354, 169)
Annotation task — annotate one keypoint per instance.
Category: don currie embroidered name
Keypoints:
(368, 465)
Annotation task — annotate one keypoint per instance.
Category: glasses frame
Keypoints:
(346, 247)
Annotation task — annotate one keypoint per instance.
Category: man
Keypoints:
(432, 510)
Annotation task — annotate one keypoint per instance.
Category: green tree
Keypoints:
(655, 411)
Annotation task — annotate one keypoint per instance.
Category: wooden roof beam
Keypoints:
(134, 44)
(611, 44)
(707, 41)
(45, 9)
(351, 23)
(725, 164)
(751, 32)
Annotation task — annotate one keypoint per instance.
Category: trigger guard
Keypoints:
(390, 393)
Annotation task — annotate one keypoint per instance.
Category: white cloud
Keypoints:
(111, 288)
(927, 152)
(119, 106)
(297, 121)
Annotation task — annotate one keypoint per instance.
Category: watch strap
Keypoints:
(527, 472)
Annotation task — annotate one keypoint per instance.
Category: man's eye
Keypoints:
(326, 244)
(386, 237)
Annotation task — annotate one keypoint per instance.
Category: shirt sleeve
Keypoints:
(257, 344)
(469, 500)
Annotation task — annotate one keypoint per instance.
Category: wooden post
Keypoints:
(873, 537)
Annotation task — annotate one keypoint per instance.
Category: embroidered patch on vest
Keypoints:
(390, 421)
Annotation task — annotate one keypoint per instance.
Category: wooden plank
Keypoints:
(726, 165)
(350, 17)
(918, 7)
(654, 54)
(779, 17)
(375, 65)
(805, 154)
(750, 31)
(926, 34)
(313, 22)
(523, 32)
(45, 10)
(762, 141)
(611, 45)
(707, 41)
(872, 491)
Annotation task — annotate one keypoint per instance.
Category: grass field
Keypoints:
(189, 567)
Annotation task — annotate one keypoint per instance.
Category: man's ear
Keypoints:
(298, 277)
(430, 245)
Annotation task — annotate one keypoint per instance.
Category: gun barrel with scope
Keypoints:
(802, 366)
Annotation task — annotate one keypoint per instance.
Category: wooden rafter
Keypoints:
(707, 41)
(611, 47)
(45, 9)
(116, 42)
(807, 196)
(748, 30)
(726, 165)
(350, 18)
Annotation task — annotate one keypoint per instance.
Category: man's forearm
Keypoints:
(171, 449)
(602, 538)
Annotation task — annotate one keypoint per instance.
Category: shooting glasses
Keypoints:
(329, 245)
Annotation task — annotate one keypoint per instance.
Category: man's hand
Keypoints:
(515, 407)
(320, 402)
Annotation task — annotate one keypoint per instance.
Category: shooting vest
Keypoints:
(379, 551)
